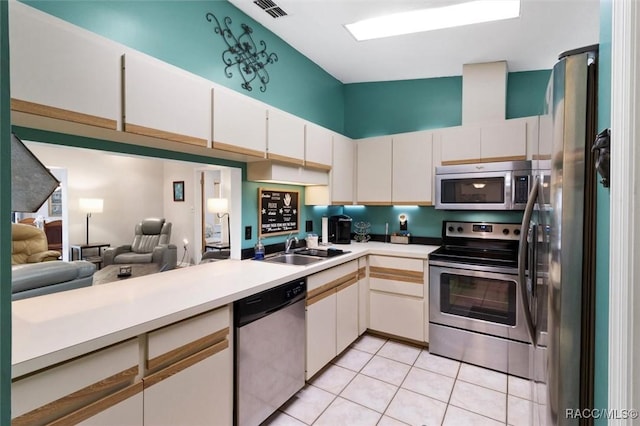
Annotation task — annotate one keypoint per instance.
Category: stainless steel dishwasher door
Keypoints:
(270, 363)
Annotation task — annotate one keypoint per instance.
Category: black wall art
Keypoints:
(243, 54)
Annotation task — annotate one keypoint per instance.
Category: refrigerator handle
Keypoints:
(522, 258)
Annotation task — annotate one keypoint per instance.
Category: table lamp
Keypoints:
(88, 206)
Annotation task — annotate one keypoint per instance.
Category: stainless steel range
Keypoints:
(476, 312)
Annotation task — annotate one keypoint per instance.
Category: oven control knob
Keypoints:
(505, 231)
(450, 229)
(460, 229)
(516, 232)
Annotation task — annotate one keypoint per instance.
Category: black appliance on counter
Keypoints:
(340, 229)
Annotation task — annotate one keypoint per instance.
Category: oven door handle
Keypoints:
(523, 249)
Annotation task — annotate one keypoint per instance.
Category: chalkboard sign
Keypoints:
(278, 211)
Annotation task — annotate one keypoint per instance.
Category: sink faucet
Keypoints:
(287, 244)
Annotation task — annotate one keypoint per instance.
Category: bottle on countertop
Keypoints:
(259, 250)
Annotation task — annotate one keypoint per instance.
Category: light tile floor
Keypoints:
(382, 382)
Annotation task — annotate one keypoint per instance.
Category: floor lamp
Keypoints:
(220, 206)
(90, 205)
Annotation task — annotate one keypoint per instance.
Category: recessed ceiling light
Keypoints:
(416, 21)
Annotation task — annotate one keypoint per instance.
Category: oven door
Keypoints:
(476, 300)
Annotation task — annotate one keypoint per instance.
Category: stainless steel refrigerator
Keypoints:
(557, 254)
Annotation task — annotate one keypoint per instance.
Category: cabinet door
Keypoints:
(128, 412)
(318, 147)
(321, 331)
(82, 389)
(239, 124)
(398, 315)
(460, 145)
(363, 298)
(198, 395)
(343, 170)
(374, 171)
(61, 71)
(347, 315)
(165, 102)
(285, 137)
(412, 168)
(504, 141)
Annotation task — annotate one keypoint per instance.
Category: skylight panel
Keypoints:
(472, 12)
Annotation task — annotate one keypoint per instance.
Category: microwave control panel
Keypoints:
(521, 189)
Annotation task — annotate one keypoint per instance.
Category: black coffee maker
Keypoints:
(340, 229)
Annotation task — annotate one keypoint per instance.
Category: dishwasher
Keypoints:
(269, 330)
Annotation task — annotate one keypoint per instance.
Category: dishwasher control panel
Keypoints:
(261, 304)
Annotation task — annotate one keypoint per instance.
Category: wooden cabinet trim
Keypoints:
(185, 363)
(373, 203)
(413, 203)
(187, 350)
(62, 114)
(415, 277)
(332, 284)
(362, 273)
(86, 396)
(162, 134)
(348, 284)
(99, 406)
(238, 149)
(317, 166)
(285, 159)
(318, 297)
(455, 162)
(510, 158)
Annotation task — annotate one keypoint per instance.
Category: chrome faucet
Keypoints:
(287, 244)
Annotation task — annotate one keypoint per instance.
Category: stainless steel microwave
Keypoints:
(484, 186)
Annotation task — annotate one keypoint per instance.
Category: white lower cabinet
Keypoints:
(190, 365)
(397, 296)
(321, 332)
(363, 296)
(97, 388)
(332, 317)
(398, 315)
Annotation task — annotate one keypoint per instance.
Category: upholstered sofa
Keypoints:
(36, 279)
(151, 244)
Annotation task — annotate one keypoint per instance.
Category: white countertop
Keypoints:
(57, 327)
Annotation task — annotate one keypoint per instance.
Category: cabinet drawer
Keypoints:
(59, 391)
(176, 341)
(330, 277)
(397, 315)
(397, 275)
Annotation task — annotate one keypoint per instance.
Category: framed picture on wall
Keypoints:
(178, 190)
(55, 203)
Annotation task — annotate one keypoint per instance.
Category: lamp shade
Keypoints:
(91, 205)
(218, 205)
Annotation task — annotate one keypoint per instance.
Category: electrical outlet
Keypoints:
(247, 232)
(308, 226)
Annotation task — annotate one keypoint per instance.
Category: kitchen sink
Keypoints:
(293, 259)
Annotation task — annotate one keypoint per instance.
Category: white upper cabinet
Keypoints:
(343, 170)
(318, 141)
(61, 71)
(165, 102)
(239, 123)
(285, 137)
(460, 145)
(504, 141)
(374, 170)
(412, 168)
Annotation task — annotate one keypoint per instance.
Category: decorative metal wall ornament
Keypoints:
(243, 53)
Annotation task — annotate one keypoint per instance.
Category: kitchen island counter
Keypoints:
(57, 327)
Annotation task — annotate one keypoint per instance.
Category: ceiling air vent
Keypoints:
(271, 8)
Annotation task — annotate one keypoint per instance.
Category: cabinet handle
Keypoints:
(415, 277)
(184, 364)
(187, 350)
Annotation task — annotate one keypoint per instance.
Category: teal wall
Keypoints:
(178, 33)
(5, 221)
(601, 380)
(383, 108)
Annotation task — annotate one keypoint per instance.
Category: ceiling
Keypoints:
(532, 42)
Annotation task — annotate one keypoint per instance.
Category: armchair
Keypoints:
(29, 245)
(151, 244)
